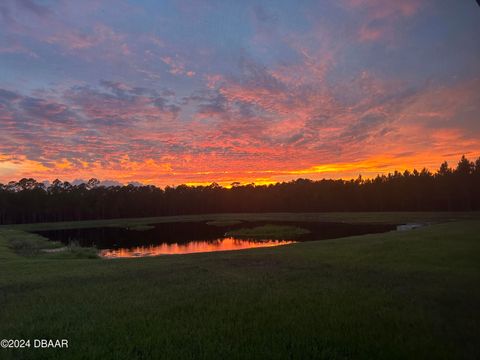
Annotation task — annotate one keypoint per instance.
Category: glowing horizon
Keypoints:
(194, 93)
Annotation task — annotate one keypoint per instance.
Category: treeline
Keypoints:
(447, 189)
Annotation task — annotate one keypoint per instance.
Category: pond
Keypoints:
(195, 237)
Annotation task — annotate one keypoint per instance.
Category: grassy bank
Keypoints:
(29, 245)
(398, 295)
(226, 219)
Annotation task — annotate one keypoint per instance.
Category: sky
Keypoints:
(194, 92)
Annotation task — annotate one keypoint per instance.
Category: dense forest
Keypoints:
(447, 189)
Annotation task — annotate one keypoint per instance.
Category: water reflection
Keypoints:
(224, 244)
(194, 237)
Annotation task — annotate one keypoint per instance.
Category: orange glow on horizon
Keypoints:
(150, 172)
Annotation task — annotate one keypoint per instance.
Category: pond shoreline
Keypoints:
(194, 237)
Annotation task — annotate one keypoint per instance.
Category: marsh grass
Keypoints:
(27, 244)
(34, 245)
(76, 252)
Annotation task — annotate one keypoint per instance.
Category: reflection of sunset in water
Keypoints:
(225, 244)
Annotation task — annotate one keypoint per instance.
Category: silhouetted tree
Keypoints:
(448, 189)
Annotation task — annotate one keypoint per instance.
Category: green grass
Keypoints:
(397, 295)
(352, 217)
(268, 232)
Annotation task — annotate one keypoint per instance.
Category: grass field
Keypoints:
(397, 295)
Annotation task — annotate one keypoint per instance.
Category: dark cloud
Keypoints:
(34, 7)
(212, 103)
(168, 92)
(257, 75)
(42, 109)
(8, 95)
(263, 15)
(162, 104)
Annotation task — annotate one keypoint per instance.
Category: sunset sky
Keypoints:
(171, 92)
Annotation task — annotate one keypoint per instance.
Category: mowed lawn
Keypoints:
(397, 295)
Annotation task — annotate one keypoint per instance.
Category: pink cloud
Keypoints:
(385, 9)
(177, 66)
(73, 40)
(17, 48)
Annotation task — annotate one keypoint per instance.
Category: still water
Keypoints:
(196, 237)
(224, 244)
